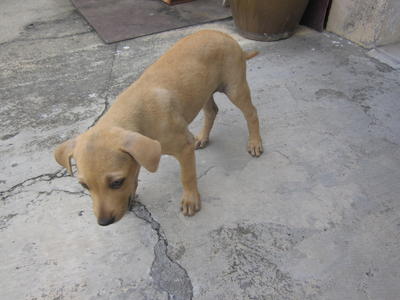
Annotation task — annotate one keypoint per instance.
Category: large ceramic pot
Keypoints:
(267, 20)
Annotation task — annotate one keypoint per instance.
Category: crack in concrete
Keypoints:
(40, 26)
(28, 182)
(45, 38)
(62, 173)
(168, 275)
(283, 155)
(79, 193)
(5, 219)
(205, 172)
(106, 90)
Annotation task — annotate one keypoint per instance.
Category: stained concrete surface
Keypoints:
(316, 217)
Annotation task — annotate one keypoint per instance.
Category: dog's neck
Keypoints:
(108, 121)
(122, 115)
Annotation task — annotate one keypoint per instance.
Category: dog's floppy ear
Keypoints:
(63, 154)
(146, 151)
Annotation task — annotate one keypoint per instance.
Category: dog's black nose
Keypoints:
(105, 221)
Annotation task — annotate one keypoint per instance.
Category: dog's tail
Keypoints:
(250, 54)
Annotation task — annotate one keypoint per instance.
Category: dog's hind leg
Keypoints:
(239, 94)
(210, 112)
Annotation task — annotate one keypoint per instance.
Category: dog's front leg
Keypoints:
(191, 197)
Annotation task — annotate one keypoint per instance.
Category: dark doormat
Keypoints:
(119, 20)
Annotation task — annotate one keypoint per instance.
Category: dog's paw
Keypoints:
(255, 148)
(190, 203)
(200, 142)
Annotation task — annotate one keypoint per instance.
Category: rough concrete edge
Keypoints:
(384, 57)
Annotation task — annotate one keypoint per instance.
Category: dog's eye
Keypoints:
(117, 184)
(84, 185)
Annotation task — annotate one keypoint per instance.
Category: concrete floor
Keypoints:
(316, 217)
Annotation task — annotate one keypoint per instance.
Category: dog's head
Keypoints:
(108, 163)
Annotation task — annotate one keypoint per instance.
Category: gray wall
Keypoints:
(369, 23)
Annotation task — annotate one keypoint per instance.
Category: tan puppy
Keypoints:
(151, 118)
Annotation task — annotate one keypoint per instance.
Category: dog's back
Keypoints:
(196, 67)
